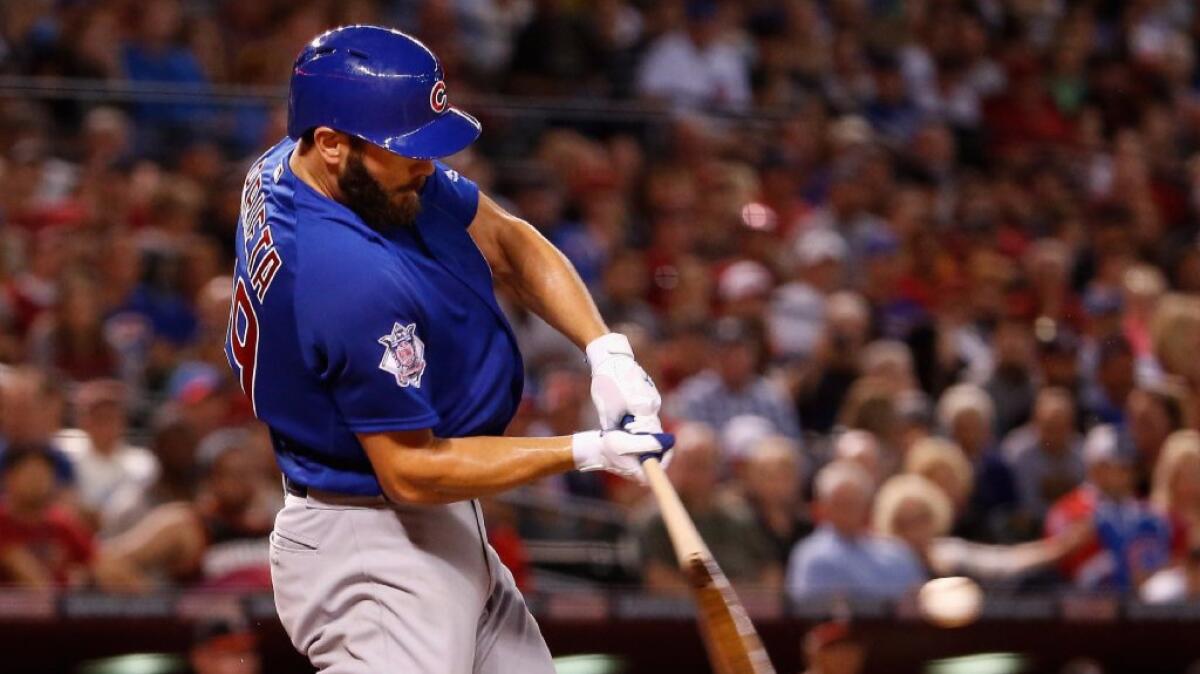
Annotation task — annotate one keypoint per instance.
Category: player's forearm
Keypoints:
(547, 284)
(457, 469)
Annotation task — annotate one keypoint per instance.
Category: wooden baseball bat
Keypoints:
(733, 644)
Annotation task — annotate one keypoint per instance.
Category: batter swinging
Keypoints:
(365, 331)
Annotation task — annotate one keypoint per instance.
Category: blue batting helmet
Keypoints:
(380, 85)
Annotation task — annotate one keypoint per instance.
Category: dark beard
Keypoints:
(380, 210)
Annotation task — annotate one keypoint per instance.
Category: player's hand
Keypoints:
(620, 386)
(620, 452)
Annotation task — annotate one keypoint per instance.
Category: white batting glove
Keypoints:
(619, 452)
(620, 386)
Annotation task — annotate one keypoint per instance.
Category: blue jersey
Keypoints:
(337, 329)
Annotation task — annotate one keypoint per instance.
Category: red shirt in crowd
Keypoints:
(1075, 507)
(59, 541)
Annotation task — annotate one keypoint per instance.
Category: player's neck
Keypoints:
(308, 167)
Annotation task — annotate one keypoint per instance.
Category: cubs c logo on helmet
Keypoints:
(437, 97)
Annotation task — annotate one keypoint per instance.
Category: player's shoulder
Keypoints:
(450, 194)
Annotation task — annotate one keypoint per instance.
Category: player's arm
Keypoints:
(540, 276)
(545, 282)
(416, 467)
(168, 539)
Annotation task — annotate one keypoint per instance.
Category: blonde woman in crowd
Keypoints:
(1173, 331)
(916, 511)
(967, 417)
(981, 487)
(1176, 489)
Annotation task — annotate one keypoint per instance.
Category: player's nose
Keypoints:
(423, 168)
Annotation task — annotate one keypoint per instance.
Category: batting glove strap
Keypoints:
(617, 451)
(607, 346)
(587, 448)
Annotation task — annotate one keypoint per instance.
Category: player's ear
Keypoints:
(332, 146)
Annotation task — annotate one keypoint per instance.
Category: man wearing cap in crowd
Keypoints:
(112, 475)
(796, 314)
(1131, 541)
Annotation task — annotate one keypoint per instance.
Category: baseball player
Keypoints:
(365, 331)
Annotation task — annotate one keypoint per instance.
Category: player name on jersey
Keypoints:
(262, 259)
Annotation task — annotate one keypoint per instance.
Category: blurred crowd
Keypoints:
(918, 280)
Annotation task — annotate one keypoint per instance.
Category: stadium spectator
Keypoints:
(696, 66)
(860, 447)
(623, 290)
(1114, 379)
(916, 511)
(70, 339)
(41, 543)
(730, 385)
(1152, 413)
(155, 55)
(841, 556)
(966, 415)
(825, 382)
(557, 52)
(771, 479)
(725, 522)
(31, 412)
(890, 361)
(1176, 318)
(1131, 542)
(870, 406)
(1045, 455)
(1010, 383)
(796, 316)
(945, 465)
(173, 442)
(112, 475)
(1176, 489)
(1058, 359)
(219, 540)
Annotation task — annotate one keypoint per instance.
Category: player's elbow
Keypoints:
(415, 482)
(408, 465)
(403, 488)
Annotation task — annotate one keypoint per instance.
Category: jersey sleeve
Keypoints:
(452, 193)
(363, 338)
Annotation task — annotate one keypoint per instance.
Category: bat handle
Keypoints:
(625, 423)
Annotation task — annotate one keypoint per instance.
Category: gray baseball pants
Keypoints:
(365, 586)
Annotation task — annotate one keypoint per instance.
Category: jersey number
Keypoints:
(244, 348)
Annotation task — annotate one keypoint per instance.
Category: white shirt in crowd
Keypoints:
(115, 485)
(677, 70)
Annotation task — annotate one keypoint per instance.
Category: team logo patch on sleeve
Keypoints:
(403, 355)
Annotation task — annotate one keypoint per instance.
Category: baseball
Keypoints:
(950, 602)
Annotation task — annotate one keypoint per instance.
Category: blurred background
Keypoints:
(917, 278)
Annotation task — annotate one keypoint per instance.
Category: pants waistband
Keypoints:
(296, 489)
